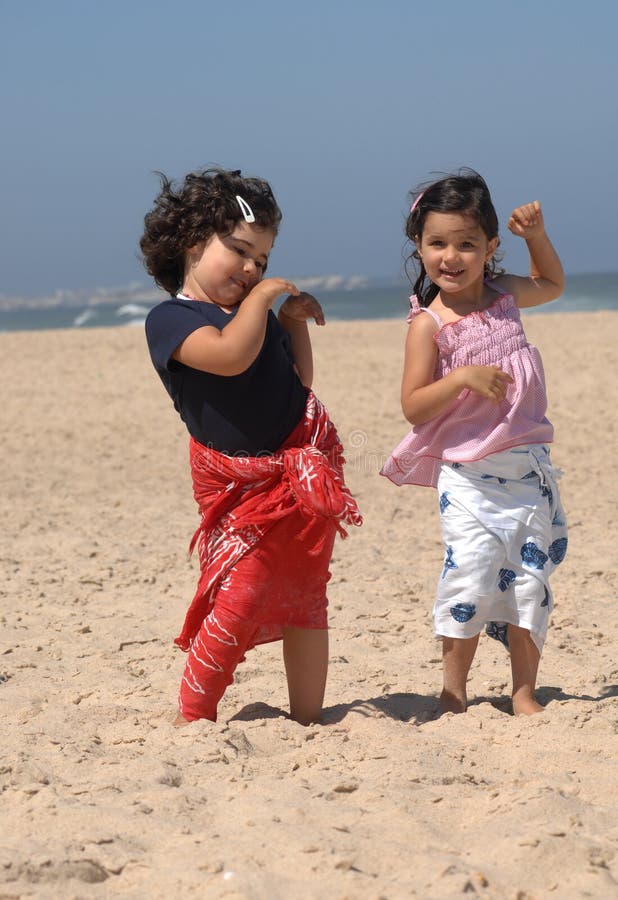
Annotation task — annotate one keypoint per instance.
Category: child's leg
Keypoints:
(305, 654)
(216, 651)
(524, 666)
(457, 656)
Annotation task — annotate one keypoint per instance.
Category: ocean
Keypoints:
(129, 306)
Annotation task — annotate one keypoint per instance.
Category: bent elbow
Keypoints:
(551, 289)
(554, 288)
(411, 415)
(559, 289)
(417, 416)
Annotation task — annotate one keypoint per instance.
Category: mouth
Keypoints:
(451, 273)
(240, 284)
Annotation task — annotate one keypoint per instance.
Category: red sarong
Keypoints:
(264, 542)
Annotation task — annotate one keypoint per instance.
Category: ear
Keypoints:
(194, 254)
(491, 248)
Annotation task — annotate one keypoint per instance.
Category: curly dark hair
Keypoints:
(464, 192)
(202, 205)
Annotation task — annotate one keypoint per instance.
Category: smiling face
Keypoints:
(454, 250)
(226, 267)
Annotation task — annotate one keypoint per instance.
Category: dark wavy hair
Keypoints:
(202, 205)
(464, 192)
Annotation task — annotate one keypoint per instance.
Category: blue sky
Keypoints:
(342, 105)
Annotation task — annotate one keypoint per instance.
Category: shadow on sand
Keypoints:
(417, 708)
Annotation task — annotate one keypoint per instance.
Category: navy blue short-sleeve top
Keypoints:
(250, 413)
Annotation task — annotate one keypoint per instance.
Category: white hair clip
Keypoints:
(246, 210)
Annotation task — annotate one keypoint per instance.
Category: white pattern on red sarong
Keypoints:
(264, 544)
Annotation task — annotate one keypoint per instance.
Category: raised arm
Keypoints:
(546, 279)
(293, 316)
(422, 398)
(232, 349)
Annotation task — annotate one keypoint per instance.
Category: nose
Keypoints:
(450, 253)
(250, 267)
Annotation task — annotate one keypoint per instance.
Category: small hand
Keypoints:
(271, 288)
(527, 221)
(487, 381)
(302, 306)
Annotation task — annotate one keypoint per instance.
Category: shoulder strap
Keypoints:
(416, 308)
(494, 287)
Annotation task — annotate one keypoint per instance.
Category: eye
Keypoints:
(467, 245)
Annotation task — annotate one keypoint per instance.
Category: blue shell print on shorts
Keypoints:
(533, 556)
(449, 562)
(463, 612)
(506, 577)
(557, 550)
(499, 631)
(444, 501)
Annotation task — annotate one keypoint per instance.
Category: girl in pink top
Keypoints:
(473, 388)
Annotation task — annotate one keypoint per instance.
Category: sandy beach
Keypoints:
(101, 797)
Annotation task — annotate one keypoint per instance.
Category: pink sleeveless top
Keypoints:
(473, 427)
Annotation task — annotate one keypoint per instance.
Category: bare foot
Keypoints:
(524, 665)
(180, 720)
(525, 704)
(449, 702)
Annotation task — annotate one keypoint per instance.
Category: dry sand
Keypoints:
(101, 797)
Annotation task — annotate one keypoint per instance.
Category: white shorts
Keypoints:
(504, 532)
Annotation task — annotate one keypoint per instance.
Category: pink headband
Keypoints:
(416, 202)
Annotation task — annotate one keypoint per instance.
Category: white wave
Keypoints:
(86, 316)
(332, 282)
(132, 309)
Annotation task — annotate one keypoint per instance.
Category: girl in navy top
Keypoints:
(265, 459)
